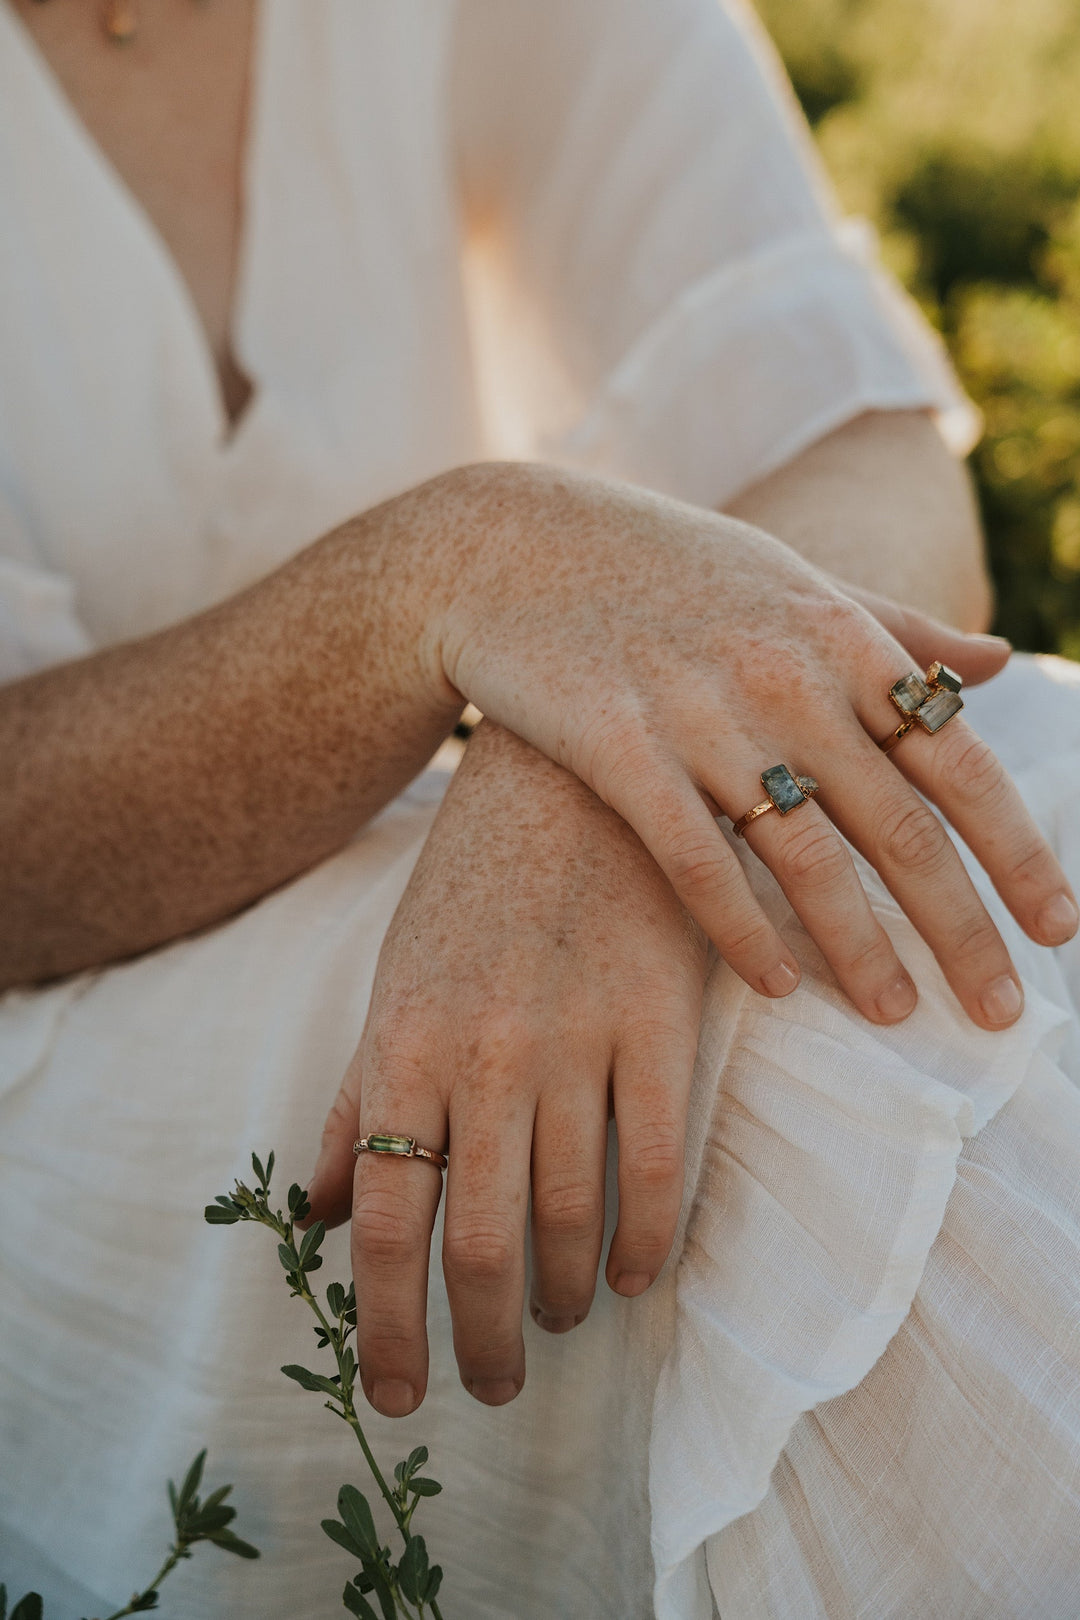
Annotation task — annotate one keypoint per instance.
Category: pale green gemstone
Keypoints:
(782, 788)
(942, 706)
(940, 675)
(909, 692)
(390, 1144)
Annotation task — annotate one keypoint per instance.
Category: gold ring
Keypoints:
(404, 1147)
(786, 792)
(930, 702)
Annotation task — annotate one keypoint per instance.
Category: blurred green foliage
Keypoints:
(954, 125)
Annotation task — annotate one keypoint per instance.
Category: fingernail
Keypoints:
(1058, 919)
(780, 980)
(992, 641)
(393, 1397)
(632, 1283)
(1002, 1001)
(554, 1324)
(494, 1391)
(898, 1000)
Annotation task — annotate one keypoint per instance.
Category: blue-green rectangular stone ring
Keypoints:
(391, 1144)
(782, 788)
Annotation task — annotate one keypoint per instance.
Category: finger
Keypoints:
(394, 1205)
(330, 1186)
(811, 863)
(651, 1086)
(964, 778)
(568, 1162)
(879, 812)
(484, 1237)
(975, 657)
(672, 820)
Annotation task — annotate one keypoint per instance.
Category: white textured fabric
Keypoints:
(651, 213)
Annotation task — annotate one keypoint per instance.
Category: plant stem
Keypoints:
(167, 1567)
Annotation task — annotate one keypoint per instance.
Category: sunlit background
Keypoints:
(955, 126)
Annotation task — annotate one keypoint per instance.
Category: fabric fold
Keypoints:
(829, 1160)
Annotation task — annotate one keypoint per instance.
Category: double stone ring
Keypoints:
(786, 792)
(402, 1147)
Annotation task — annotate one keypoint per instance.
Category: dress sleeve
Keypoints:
(39, 623)
(681, 305)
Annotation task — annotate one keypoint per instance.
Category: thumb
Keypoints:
(330, 1189)
(974, 657)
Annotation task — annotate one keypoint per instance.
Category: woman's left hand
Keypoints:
(538, 971)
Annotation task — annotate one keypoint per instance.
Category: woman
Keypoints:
(234, 318)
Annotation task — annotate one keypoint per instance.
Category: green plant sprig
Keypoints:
(408, 1587)
(193, 1521)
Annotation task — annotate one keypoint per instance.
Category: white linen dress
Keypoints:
(855, 1389)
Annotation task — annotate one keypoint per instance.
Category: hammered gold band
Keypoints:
(403, 1147)
(786, 792)
(928, 702)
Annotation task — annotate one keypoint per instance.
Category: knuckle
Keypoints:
(654, 1161)
(976, 941)
(380, 1236)
(479, 1253)
(812, 857)
(912, 838)
(975, 774)
(697, 864)
(568, 1210)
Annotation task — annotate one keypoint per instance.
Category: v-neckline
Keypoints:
(229, 432)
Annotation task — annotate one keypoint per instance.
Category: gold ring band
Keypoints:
(928, 702)
(786, 792)
(402, 1147)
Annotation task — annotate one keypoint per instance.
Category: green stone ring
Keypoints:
(404, 1147)
(786, 792)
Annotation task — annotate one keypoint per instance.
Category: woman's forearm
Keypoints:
(881, 503)
(161, 785)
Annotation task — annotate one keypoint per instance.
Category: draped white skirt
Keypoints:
(854, 1391)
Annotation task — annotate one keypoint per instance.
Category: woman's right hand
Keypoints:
(668, 655)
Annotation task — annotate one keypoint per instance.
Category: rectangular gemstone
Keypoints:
(908, 693)
(941, 707)
(390, 1144)
(782, 788)
(941, 675)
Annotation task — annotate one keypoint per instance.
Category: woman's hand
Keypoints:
(539, 967)
(667, 656)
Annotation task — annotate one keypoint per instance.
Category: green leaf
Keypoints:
(288, 1256)
(28, 1608)
(434, 1581)
(230, 1543)
(335, 1299)
(187, 1490)
(256, 1165)
(413, 1569)
(269, 1167)
(313, 1381)
(356, 1515)
(143, 1601)
(357, 1603)
(3, 1601)
(296, 1195)
(215, 1215)
(417, 1457)
(383, 1590)
(310, 1246)
(217, 1496)
(208, 1520)
(424, 1487)
(337, 1532)
(348, 1364)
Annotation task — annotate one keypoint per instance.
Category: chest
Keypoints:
(169, 110)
